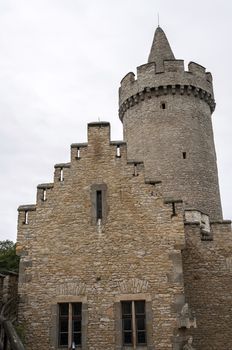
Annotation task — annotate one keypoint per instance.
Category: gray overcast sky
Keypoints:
(61, 62)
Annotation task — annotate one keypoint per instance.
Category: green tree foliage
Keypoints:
(9, 261)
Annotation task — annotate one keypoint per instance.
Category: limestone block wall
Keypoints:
(133, 253)
(207, 264)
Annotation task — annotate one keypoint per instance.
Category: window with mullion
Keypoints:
(69, 324)
(133, 322)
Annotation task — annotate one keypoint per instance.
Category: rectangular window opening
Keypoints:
(44, 195)
(135, 170)
(70, 318)
(61, 174)
(173, 210)
(78, 153)
(26, 217)
(99, 205)
(184, 155)
(118, 151)
(133, 323)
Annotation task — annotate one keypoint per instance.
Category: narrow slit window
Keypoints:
(184, 155)
(26, 217)
(98, 196)
(173, 210)
(44, 195)
(99, 205)
(61, 174)
(135, 170)
(163, 105)
(78, 153)
(118, 151)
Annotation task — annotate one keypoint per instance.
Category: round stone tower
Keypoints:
(166, 115)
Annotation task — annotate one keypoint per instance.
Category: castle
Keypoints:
(127, 248)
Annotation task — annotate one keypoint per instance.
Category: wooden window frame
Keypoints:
(134, 316)
(70, 319)
(148, 321)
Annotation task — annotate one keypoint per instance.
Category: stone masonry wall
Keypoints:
(207, 268)
(134, 253)
(167, 124)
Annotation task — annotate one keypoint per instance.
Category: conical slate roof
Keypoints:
(160, 50)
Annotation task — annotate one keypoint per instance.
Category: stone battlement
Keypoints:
(173, 80)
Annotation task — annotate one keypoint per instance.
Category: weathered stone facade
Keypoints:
(166, 115)
(148, 239)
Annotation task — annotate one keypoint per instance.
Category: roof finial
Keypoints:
(158, 19)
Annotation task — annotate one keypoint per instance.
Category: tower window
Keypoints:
(69, 324)
(184, 155)
(163, 105)
(99, 205)
(133, 323)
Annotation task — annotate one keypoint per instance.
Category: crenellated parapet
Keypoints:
(25, 213)
(173, 80)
